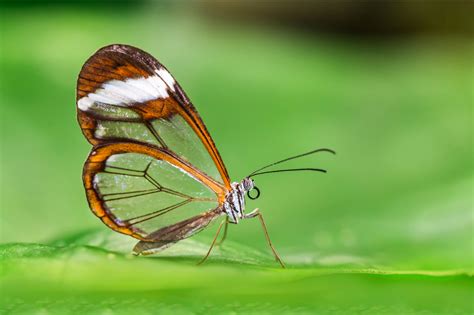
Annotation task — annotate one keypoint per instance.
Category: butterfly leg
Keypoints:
(225, 233)
(257, 213)
(213, 242)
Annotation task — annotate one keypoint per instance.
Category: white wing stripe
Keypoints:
(141, 86)
(166, 76)
(122, 89)
(159, 85)
(101, 97)
(128, 92)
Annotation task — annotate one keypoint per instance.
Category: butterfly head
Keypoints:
(248, 185)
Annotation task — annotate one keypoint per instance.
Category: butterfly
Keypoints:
(154, 172)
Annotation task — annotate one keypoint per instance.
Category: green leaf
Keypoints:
(95, 272)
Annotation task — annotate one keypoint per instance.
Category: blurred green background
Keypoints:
(387, 85)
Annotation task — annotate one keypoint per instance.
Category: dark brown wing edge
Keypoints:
(169, 235)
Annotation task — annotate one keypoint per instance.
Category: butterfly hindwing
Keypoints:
(142, 191)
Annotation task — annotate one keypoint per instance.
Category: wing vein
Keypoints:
(156, 213)
(136, 195)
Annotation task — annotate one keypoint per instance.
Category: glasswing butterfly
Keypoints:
(154, 172)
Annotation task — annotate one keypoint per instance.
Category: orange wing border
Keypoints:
(96, 162)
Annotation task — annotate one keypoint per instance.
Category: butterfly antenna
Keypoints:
(291, 170)
(258, 172)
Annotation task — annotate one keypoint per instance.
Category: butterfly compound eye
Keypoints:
(257, 193)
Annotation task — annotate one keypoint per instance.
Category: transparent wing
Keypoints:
(124, 94)
(139, 190)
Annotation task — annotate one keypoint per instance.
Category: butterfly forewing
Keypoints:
(154, 169)
(125, 94)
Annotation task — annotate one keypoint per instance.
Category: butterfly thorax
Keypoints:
(234, 205)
